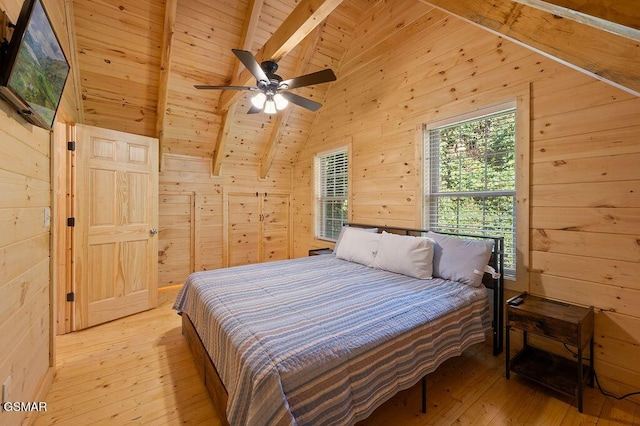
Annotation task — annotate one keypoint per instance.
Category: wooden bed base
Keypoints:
(217, 391)
(206, 369)
(209, 374)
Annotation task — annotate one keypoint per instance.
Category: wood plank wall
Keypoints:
(24, 259)
(192, 225)
(410, 64)
(26, 348)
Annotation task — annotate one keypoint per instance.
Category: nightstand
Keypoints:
(563, 322)
(315, 252)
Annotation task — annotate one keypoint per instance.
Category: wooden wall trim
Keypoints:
(73, 61)
(165, 67)
(523, 189)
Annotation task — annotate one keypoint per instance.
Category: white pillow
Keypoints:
(406, 255)
(458, 259)
(335, 248)
(358, 246)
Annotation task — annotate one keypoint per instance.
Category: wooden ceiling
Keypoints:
(138, 60)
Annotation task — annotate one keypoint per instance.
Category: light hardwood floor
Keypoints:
(138, 370)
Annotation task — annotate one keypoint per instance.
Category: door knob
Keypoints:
(153, 231)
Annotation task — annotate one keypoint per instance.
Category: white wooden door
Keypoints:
(116, 221)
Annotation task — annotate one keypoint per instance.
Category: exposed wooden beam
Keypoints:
(165, 66)
(302, 20)
(601, 54)
(308, 48)
(622, 18)
(221, 142)
(248, 32)
(625, 12)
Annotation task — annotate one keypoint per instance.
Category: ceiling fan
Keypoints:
(273, 93)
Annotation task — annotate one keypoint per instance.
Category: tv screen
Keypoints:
(35, 68)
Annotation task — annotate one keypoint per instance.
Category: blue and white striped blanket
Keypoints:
(319, 340)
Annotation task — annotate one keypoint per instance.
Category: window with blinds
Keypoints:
(331, 182)
(470, 178)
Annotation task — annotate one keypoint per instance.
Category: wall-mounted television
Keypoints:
(33, 67)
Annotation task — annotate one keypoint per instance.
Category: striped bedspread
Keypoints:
(319, 340)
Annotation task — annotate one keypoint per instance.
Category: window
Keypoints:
(331, 181)
(470, 183)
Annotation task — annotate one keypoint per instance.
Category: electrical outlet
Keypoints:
(5, 390)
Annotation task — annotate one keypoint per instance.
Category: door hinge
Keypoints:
(71, 145)
(71, 297)
(71, 221)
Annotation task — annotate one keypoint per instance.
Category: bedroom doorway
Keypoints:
(113, 243)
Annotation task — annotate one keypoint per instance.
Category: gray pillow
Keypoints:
(460, 259)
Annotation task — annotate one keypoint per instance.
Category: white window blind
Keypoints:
(470, 178)
(331, 178)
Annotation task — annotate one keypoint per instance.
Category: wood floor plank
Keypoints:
(138, 370)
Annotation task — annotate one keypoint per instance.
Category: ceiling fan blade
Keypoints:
(249, 61)
(254, 110)
(299, 100)
(209, 87)
(318, 77)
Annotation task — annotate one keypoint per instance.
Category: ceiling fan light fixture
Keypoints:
(270, 106)
(259, 100)
(281, 102)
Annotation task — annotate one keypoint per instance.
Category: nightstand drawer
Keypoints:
(554, 328)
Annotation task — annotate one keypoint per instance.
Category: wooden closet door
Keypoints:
(258, 227)
(275, 227)
(176, 244)
(243, 228)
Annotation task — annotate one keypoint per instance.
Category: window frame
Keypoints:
(319, 200)
(521, 102)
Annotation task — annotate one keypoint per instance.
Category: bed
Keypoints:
(326, 340)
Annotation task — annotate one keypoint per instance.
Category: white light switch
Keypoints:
(47, 216)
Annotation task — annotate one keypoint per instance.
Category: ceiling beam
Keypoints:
(617, 17)
(302, 20)
(165, 66)
(601, 54)
(248, 32)
(625, 13)
(221, 141)
(308, 48)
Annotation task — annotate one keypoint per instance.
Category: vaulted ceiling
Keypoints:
(137, 61)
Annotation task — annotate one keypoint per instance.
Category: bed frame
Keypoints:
(219, 396)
